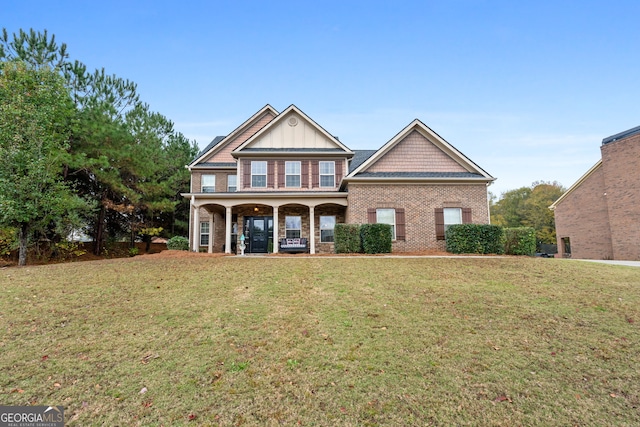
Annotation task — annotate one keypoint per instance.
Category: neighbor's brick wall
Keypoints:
(583, 217)
(419, 202)
(416, 153)
(621, 164)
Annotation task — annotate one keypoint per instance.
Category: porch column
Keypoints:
(196, 228)
(227, 233)
(312, 230)
(276, 240)
(210, 247)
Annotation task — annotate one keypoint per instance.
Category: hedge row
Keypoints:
(474, 239)
(490, 239)
(365, 238)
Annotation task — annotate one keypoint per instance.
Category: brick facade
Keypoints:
(587, 229)
(419, 203)
(416, 172)
(600, 214)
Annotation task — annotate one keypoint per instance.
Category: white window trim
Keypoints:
(234, 186)
(393, 225)
(202, 234)
(292, 229)
(332, 228)
(212, 186)
(333, 174)
(287, 174)
(256, 162)
(447, 224)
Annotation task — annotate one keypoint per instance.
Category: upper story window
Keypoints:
(327, 174)
(258, 174)
(387, 216)
(292, 174)
(232, 183)
(208, 183)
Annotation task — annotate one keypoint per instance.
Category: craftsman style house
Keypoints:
(281, 181)
(597, 217)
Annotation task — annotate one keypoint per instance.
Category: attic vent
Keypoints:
(292, 121)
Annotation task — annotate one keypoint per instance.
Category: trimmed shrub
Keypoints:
(376, 238)
(520, 241)
(474, 239)
(346, 238)
(178, 243)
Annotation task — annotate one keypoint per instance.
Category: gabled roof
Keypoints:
(212, 144)
(217, 143)
(473, 171)
(279, 119)
(359, 157)
(576, 184)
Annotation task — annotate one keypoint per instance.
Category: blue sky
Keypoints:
(526, 89)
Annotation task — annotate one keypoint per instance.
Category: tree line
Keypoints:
(79, 150)
(528, 207)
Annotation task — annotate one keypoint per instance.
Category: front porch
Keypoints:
(219, 221)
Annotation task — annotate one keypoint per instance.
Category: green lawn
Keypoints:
(161, 340)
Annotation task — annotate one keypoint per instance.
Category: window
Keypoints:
(566, 246)
(327, 224)
(232, 183)
(387, 216)
(327, 174)
(292, 173)
(208, 183)
(204, 233)
(259, 174)
(292, 227)
(452, 216)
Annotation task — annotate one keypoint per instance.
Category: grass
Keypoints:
(163, 341)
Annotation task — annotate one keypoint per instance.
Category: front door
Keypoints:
(258, 230)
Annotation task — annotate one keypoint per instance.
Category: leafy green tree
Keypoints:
(35, 116)
(127, 160)
(529, 207)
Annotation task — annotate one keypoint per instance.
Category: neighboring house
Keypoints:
(282, 176)
(597, 217)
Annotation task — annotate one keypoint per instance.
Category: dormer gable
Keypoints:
(292, 131)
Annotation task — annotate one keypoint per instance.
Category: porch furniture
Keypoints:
(294, 245)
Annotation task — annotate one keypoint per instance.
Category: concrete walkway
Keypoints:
(613, 262)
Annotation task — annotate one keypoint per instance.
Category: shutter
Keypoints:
(400, 222)
(466, 216)
(304, 170)
(338, 172)
(439, 224)
(281, 180)
(246, 173)
(315, 174)
(271, 170)
(371, 216)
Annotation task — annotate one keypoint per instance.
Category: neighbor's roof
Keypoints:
(625, 134)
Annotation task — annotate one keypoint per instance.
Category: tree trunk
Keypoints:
(99, 232)
(23, 235)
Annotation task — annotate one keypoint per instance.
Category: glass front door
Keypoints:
(258, 230)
